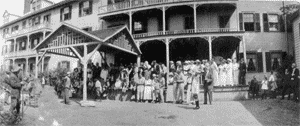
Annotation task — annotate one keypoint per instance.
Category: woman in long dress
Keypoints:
(229, 73)
(148, 87)
(170, 87)
(235, 67)
(223, 76)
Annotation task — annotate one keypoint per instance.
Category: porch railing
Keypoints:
(28, 29)
(188, 31)
(133, 4)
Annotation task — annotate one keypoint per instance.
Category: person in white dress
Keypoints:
(223, 71)
(148, 88)
(215, 71)
(235, 67)
(229, 73)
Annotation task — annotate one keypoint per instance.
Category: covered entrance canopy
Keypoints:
(70, 41)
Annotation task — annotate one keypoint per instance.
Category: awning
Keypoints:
(68, 40)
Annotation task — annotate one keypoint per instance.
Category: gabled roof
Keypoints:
(64, 2)
(6, 12)
(98, 36)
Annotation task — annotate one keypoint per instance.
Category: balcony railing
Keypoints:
(133, 4)
(20, 53)
(28, 29)
(188, 31)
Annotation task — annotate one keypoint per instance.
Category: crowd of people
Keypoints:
(149, 82)
(268, 86)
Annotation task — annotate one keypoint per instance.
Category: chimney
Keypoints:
(26, 6)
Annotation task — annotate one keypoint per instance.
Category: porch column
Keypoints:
(167, 58)
(264, 61)
(43, 63)
(195, 17)
(164, 19)
(210, 47)
(13, 63)
(36, 64)
(26, 65)
(85, 73)
(244, 48)
(28, 43)
(130, 22)
(16, 45)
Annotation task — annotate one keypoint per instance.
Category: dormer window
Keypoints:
(65, 13)
(85, 8)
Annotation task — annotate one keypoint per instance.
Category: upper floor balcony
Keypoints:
(128, 4)
(28, 29)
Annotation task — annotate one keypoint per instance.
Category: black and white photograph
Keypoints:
(149, 62)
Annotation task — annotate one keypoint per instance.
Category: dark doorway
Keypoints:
(225, 46)
(189, 49)
(153, 50)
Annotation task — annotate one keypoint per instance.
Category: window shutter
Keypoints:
(259, 62)
(257, 22)
(70, 13)
(241, 21)
(68, 65)
(61, 14)
(281, 23)
(266, 22)
(91, 6)
(268, 61)
(80, 8)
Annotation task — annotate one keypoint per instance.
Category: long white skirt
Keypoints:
(222, 78)
(236, 77)
(148, 93)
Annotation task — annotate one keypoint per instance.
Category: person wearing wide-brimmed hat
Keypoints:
(67, 87)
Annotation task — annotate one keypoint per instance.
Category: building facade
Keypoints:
(165, 30)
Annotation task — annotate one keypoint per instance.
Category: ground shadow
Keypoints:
(186, 107)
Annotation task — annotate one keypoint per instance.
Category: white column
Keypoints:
(195, 17)
(13, 63)
(130, 22)
(85, 73)
(43, 58)
(264, 61)
(26, 66)
(164, 19)
(28, 43)
(36, 64)
(44, 35)
(244, 46)
(16, 45)
(167, 58)
(210, 47)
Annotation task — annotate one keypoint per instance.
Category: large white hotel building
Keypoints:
(165, 30)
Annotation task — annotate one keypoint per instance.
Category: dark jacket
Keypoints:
(243, 68)
(295, 75)
(254, 86)
(14, 82)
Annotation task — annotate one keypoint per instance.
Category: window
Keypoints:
(22, 46)
(15, 28)
(12, 46)
(273, 60)
(64, 65)
(66, 13)
(23, 24)
(273, 22)
(254, 62)
(85, 8)
(5, 31)
(47, 18)
(138, 26)
(189, 23)
(249, 21)
(87, 29)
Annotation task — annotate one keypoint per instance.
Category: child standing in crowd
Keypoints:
(189, 85)
(264, 88)
(155, 92)
(140, 83)
(161, 81)
(254, 87)
(98, 89)
(273, 85)
(170, 96)
(148, 87)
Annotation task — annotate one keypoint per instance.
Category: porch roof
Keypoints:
(67, 40)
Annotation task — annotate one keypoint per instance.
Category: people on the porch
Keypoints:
(235, 68)
(242, 72)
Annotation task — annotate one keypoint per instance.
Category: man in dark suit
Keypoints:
(243, 70)
(286, 84)
(15, 85)
(208, 85)
(294, 81)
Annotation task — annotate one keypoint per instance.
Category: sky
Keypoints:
(14, 7)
